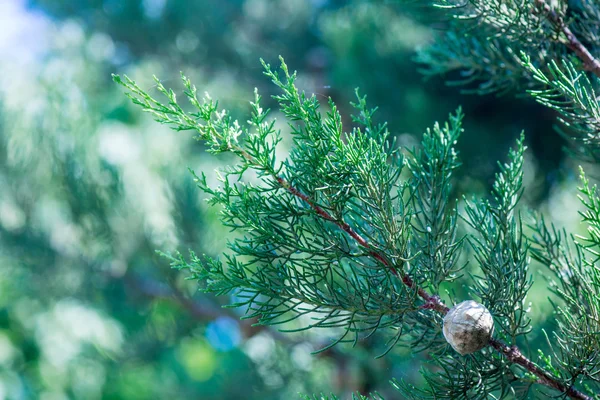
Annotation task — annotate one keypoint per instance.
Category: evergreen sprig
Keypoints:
(571, 93)
(502, 286)
(326, 229)
(486, 65)
(482, 41)
(350, 233)
(573, 262)
(547, 49)
(501, 249)
(435, 240)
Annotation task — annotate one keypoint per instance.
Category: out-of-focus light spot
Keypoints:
(198, 358)
(302, 357)
(65, 237)
(187, 42)
(223, 333)
(260, 347)
(113, 6)
(70, 35)
(116, 144)
(256, 9)
(562, 205)
(162, 147)
(319, 3)
(117, 268)
(88, 377)
(154, 8)
(22, 36)
(62, 331)
(55, 220)
(12, 386)
(53, 396)
(53, 377)
(121, 55)
(7, 350)
(26, 311)
(12, 217)
(163, 321)
(100, 47)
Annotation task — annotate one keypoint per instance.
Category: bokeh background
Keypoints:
(90, 188)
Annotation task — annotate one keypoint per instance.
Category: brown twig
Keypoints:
(589, 61)
(515, 356)
(433, 302)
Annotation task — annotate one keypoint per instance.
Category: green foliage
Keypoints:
(576, 283)
(353, 211)
(88, 192)
(483, 40)
(512, 21)
(327, 231)
(501, 250)
(503, 47)
(347, 231)
(558, 67)
(473, 377)
(543, 33)
(436, 245)
(486, 65)
(571, 93)
(355, 396)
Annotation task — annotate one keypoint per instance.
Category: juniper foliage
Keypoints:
(327, 230)
(545, 48)
(573, 262)
(351, 233)
(549, 50)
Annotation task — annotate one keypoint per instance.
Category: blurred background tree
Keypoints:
(89, 189)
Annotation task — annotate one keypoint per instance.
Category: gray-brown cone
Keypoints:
(468, 327)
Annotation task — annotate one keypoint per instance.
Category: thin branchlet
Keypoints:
(575, 282)
(545, 48)
(590, 62)
(338, 236)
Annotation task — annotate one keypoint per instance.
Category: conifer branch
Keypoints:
(515, 356)
(512, 353)
(433, 302)
(276, 288)
(589, 61)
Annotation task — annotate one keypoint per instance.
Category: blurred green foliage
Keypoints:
(89, 189)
